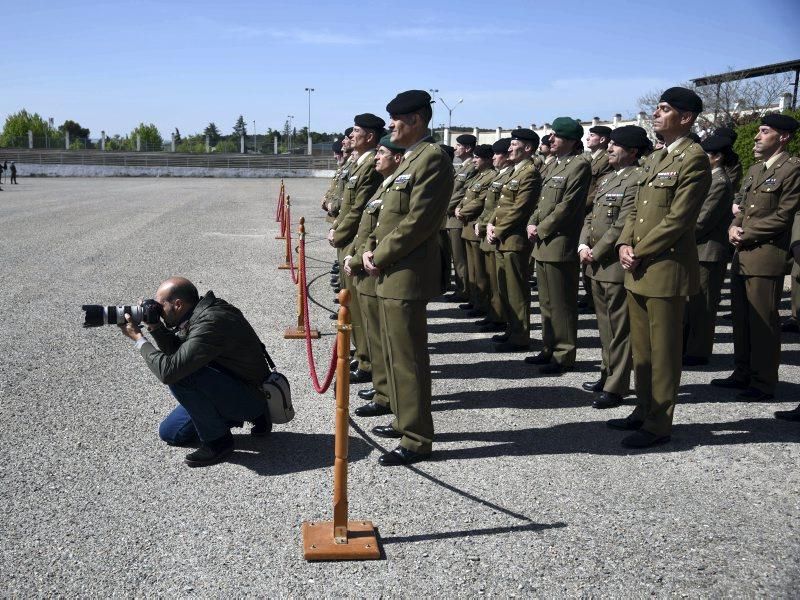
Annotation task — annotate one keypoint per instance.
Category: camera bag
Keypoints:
(277, 393)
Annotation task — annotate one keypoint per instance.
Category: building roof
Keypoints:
(783, 67)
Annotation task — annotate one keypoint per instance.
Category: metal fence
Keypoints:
(166, 159)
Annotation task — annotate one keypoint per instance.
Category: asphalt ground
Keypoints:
(528, 493)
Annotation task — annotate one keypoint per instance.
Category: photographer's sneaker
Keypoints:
(210, 453)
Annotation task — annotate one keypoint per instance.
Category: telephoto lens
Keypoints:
(148, 312)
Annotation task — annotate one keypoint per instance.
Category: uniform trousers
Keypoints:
(496, 313)
(613, 323)
(359, 335)
(515, 293)
(656, 343)
(756, 330)
(404, 338)
(372, 328)
(558, 293)
(458, 252)
(795, 290)
(701, 310)
(478, 278)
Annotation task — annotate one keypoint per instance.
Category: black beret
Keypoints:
(716, 143)
(501, 146)
(694, 137)
(630, 136)
(567, 128)
(369, 121)
(348, 131)
(601, 130)
(682, 99)
(484, 151)
(386, 142)
(728, 132)
(467, 139)
(779, 121)
(546, 139)
(451, 152)
(408, 102)
(526, 135)
(337, 147)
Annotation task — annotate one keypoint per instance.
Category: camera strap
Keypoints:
(270, 362)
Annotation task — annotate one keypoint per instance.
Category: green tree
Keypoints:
(227, 146)
(213, 133)
(745, 139)
(74, 129)
(17, 125)
(150, 137)
(240, 128)
(178, 138)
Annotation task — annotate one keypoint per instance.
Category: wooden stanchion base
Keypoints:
(284, 267)
(318, 543)
(299, 333)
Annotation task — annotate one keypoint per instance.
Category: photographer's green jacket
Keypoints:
(217, 333)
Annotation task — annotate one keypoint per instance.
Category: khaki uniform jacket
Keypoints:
(369, 219)
(332, 194)
(600, 168)
(614, 199)
(561, 210)
(464, 174)
(660, 228)
(472, 204)
(360, 187)
(406, 236)
(344, 175)
(517, 201)
(734, 173)
(715, 217)
(769, 204)
(490, 205)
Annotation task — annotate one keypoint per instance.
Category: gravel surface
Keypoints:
(529, 493)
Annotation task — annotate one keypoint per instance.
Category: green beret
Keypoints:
(386, 142)
(567, 128)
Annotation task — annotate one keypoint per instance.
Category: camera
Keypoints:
(148, 312)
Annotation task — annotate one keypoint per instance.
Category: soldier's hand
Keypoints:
(531, 229)
(627, 258)
(490, 234)
(735, 235)
(347, 268)
(477, 230)
(369, 266)
(586, 256)
(458, 212)
(735, 209)
(330, 237)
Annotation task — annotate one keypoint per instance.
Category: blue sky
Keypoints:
(110, 65)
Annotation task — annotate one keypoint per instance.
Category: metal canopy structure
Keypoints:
(774, 69)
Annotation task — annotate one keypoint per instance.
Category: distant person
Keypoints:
(2, 168)
(13, 172)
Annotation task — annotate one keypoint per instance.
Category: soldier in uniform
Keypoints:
(614, 199)
(468, 211)
(731, 162)
(504, 169)
(547, 156)
(554, 229)
(794, 414)
(711, 234)
(464, 148)
(761, 233)
(404, 256)
(658, 251)
(327, 199)
(336, 203)
(517, 201)
(387, 158)
(358, 189)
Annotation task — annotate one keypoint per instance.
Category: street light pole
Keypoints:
(433, 94)
(255, 149)
(291, 126)
(309, 90)
(450, 111)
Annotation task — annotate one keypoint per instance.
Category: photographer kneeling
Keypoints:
(213, 363)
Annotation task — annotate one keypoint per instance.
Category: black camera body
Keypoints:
(148, 312)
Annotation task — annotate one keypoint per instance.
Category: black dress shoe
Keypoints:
(539, 359)
(500, 337)
(553, 368)
(261, 426)
(453, 298)
(586, 310)
(790, 326)
(626, 424)
(511, 347)
(353, 365)
(372, 409)
(788, 415)
(475, 312)
(210, 453)
(336, 299)
(367, 394)
(607, 400)
(492, 327)
(337, 289)
(352, 352)
(644, 439)
(360, 376)
(401, 456)
(334, 316)
(754, 395)
(730, 383)
(386, 431)
(465, 306)
(483, 321)
(594, 386)
(694, 361)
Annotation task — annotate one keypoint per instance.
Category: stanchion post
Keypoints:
(341, 539)
(286, 225)
(299, 332)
